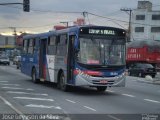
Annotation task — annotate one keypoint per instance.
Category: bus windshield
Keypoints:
(103, 51)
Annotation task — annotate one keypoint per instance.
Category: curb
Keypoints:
(150, 82)
(155, 81)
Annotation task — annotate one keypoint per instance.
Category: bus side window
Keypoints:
(51, 49)
(31, 46)
(62, 45)
(25, 46)
(63, 39)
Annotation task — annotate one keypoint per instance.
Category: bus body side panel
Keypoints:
(24, 64)
(60, 65)
(61, 55)
(51, 68)
(34, 63)
(27, 63)
(54, 65)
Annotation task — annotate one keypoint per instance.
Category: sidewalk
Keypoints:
(156, 80)
(150, 80)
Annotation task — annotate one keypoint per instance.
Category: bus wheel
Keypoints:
(101, 88)
(61, 83)
(34, 79)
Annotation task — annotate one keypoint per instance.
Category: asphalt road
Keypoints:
(137, 101)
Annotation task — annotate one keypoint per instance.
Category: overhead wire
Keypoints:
(112, 19)
(66, 12)
(75, 12)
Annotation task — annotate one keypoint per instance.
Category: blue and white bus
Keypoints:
(76, 56)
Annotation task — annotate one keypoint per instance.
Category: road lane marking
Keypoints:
(10, 84)
(30, 89)
(89, 108)
(15, 88)
(13, 92)
(113, 117)
(15, 109)
(110, 91)
(128, 95)
(134, 80)
(154, 101)
(70, 101)
(43, 106)
(3, 81)
(31, 98)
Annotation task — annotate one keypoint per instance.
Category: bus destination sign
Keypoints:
(101, 32)
(107, 31)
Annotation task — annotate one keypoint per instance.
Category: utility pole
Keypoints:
(130, 15)
(85, 14)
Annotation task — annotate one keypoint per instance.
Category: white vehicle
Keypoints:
(16, 60)
(4, 60)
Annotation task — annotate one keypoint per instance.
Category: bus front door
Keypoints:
(70, 59)
(42, 59)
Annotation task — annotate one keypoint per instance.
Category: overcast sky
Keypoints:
(45, 14)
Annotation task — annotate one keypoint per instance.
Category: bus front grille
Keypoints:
(98, 82)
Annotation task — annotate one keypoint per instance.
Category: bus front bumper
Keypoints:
(86, 80)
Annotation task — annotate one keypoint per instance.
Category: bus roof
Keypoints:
(40, 35)
(69, 29)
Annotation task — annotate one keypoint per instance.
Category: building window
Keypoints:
(139, 29)
(155, 17)
(140, 17)
(155, 29)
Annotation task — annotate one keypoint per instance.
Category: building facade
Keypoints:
(145, 22)
(7, 42)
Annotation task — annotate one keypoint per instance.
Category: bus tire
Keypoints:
(34, 79)
(101, 88)
(61, 83)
